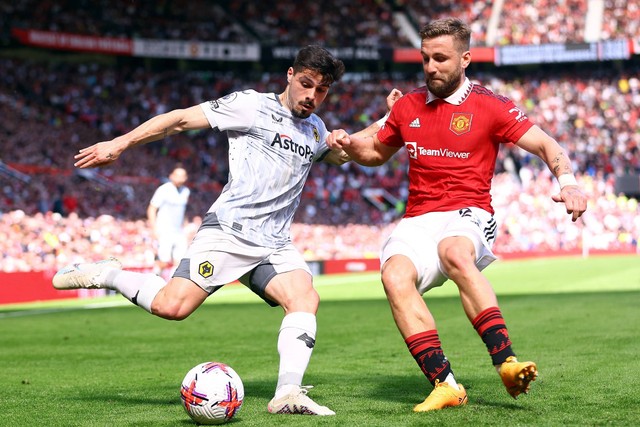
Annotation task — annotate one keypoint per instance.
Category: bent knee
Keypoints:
(172, 311)
(398, 276)
(458, 263)
(307, 301)
(457, 253)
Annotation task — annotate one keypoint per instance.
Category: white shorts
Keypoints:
(171, 246)
(216, 258)
(417, 238)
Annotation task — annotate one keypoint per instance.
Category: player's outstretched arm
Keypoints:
(336, 157)
(158, 127)
(365, 150)
(537, 142)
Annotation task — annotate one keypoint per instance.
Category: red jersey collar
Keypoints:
(457, 97)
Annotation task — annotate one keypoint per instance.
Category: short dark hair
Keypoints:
(319, 59)
(448, 27)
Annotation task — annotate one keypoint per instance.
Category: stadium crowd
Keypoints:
(529, 222)
(51, 214)
(362, 23)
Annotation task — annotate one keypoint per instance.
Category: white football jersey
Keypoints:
(270, 156)
(171, 203)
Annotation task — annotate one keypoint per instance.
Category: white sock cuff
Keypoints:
(149, 290)
(300, 320)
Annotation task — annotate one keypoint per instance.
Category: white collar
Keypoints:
(457, 97)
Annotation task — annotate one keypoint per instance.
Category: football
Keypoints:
(212, 393)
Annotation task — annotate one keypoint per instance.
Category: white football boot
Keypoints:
(297, 402)
(89, 275)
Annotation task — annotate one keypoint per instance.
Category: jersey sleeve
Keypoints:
(235, 111)
(511, 124)
(323, 148)
(389, 133)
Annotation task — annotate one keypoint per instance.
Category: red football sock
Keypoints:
(426, 349)
(490, 325)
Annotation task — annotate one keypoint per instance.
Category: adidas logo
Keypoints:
(415, 123)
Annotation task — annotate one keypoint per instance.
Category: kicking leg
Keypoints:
(174, 300)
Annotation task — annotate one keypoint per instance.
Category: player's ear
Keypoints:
(289, 74)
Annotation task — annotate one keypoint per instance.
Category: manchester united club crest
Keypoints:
(460, 123)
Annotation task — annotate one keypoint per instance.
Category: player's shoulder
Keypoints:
(487, 95)
(245, 95)
(237, 99)
(417, 94)
(316, 122)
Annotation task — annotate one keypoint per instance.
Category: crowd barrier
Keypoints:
(29, 287)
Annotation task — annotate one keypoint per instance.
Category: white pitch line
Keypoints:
(36, 312)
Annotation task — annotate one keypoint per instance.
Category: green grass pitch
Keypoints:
(63, 364)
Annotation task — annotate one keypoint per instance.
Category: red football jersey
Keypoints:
(452, 145)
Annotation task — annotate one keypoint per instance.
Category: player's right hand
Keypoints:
(338, 139)
(100, 154)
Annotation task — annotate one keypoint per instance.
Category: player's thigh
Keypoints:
(216, 258)
(414, 239)
(468, 238)
(293, 291)
(179, 298)
(284, 279)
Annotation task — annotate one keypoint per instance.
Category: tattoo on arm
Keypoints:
(560, 164)
(165, 133)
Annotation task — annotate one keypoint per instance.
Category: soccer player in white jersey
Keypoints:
(273, 141)
(165, 214)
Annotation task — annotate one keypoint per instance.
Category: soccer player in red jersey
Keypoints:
(452, 130)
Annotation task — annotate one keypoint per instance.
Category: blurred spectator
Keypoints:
(51, 110)
(529, 222)
(621, 19)
(475, 12)
(333, 23)
(542, 21)
(193, 20)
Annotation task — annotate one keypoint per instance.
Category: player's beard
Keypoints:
(444, 88)
(302, 113)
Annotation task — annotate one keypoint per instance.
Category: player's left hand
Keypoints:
(574, 200)
(393, 96)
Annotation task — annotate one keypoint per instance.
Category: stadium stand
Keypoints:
(52, 214)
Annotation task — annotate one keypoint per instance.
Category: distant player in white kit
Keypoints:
(273, 141)
(166, 214)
